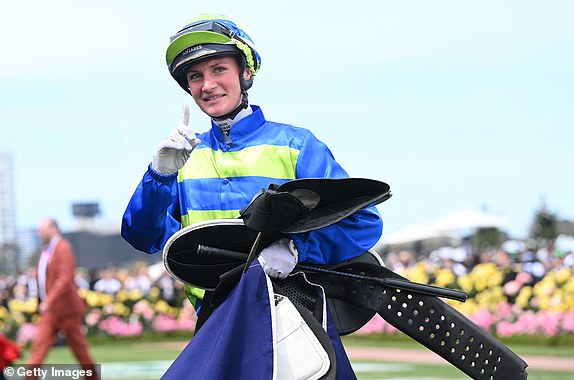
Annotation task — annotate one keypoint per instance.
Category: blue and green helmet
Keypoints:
(207, 36)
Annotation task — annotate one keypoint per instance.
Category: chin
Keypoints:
(218, 110)
(210, 112)
(217, 113)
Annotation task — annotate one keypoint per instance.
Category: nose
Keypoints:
(209, 83)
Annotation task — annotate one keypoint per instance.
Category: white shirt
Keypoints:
(45, 257)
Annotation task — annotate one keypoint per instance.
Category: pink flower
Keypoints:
(505, 329)
(144, 309)
(549, 323)
(527, 323)
(504, 310)
(524, 277)
(114, 326)
(187, 324)
(390, 329)
(483, 319)
(93, 317)
(568, 321)
(376, 325)
(511, 288)
(164, 323)
(26, 332)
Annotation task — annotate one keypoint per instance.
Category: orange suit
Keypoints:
(65, 310)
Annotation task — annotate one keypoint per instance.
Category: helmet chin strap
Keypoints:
(226, 121)
(231, 115)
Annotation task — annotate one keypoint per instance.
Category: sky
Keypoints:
(455, 104)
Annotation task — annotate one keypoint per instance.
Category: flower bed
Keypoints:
(125, 314)
(519, 308)
(509, 309)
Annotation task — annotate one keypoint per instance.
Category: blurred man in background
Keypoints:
(61, 308)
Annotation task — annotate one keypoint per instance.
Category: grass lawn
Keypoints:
(148, 360)
(405, 342)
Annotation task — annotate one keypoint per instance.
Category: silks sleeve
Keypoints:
(343, 240)
(152, 215)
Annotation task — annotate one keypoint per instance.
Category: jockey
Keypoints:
(197, 177)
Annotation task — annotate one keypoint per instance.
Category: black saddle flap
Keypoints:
(272, 211)
(307, 204)
(184, 261)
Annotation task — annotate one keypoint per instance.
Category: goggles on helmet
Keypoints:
(206, 38)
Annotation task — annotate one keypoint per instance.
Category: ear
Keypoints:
(247, 73)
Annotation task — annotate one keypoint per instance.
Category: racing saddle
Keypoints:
(213, 255)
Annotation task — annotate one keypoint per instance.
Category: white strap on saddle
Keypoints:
(300, 355)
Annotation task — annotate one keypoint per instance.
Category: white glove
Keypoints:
(279, 259)
(174, 151)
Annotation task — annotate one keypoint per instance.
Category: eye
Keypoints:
(193, 76)
(219, 69)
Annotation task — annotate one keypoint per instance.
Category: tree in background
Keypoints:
(488, 238)
(544, 228)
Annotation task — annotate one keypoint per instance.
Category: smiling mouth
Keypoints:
(211, 98)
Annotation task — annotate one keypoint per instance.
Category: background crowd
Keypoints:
(515, 291)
